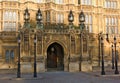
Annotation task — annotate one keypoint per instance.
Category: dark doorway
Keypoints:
(55, 57)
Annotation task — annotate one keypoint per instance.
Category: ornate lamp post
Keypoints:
(82, 20)
(116, 62)
(26, 15)
(18, 71)
(39, 18)
(35, 41)
(26, 18)
(112, 57)
(102, 62)
(71, 18)
(99, 51)
(82, 26)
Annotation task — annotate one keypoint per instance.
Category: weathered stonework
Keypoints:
(65, 41)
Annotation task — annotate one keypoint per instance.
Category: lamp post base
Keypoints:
(116, 72)
(35, 72)
(35, 75)
(113, 67)
(18, 71)
(18, 76)
(103, 73)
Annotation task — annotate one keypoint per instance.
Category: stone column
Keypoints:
(86, 64)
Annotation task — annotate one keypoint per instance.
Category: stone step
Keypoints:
(8, 71)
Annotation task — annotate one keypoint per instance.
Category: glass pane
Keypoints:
(90, 19)
(115, 4)
(87, 19)
(107, 29)
(116, 21)
(108, 4)
(112, 30)
(90, 2)
(57, 1)
(61, 1)
(54, 16)
(14, 16)
(112, 6)
(105, 4)
(6, 15)
(85, 2)
(12, 55)
(39, 1)
(107, 21)
(58, 18)
(10, 16)
(82, 1)
(7, 56)
(116, 30)
(48, 16)
(90, 28)
(62, 18)
(14, 26)
(112, 21)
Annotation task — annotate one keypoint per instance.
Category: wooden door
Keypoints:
(52, 60)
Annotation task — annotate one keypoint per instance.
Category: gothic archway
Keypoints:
(55, 57)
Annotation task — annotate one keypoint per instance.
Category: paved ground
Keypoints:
(61, 77)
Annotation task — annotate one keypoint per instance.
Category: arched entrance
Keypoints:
(55, 57)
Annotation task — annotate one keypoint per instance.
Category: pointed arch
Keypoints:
(55, 57)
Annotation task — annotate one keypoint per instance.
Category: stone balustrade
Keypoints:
(8, 34)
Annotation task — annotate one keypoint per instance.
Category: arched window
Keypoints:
(111, 25)
(60, 18)
(88, 22)
(14, 25)
(10, 19)
(48, 16)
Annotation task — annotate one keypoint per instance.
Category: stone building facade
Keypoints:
(58, 46)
